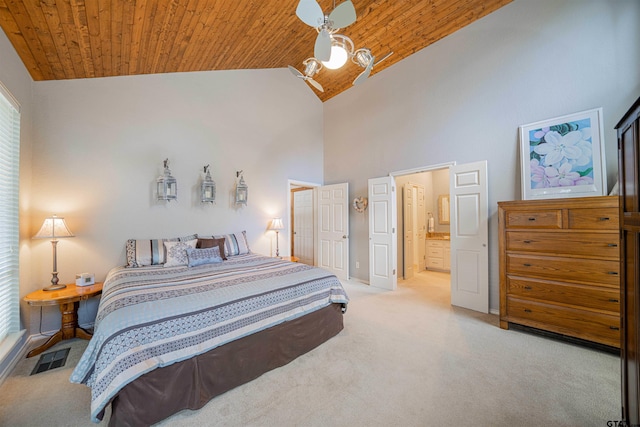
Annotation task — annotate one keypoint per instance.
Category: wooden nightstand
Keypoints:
(68, 300)
(291, 258)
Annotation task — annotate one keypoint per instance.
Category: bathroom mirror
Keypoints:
(443, 209)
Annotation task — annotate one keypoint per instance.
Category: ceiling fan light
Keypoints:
(338, 57)
(363, 57)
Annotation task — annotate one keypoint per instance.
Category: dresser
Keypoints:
(438, 253)
(560, 266)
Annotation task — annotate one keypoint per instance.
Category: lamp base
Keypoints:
(54, 287)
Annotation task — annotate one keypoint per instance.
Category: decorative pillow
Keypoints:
(150, 252)
(211, 243)
(203, 256)
(177, 252)
(145, 252)
(235, 244)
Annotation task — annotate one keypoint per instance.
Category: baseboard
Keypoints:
(12, 352)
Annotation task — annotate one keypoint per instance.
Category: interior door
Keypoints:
(333, 229)
(421, 228)
(408, 230)
(382, 233)
(303, 226)
(469, 236)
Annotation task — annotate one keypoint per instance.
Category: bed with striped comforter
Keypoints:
(150, 317)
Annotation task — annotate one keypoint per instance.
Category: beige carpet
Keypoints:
(405, 358)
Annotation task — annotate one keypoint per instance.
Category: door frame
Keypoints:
(291, 183)
(421, 169)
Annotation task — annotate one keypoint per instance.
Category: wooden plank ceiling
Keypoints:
(73, 39)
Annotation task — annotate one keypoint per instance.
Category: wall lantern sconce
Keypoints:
(167, 185)
(242, 191)
(207, 188)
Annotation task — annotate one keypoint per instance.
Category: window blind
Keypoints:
(9, 186)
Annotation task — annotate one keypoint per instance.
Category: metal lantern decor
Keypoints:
(207, 188)
(167, 185)
(242, 191)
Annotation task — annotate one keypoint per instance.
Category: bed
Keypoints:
(169, 338)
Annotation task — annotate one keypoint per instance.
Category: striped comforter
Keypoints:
(154, 316)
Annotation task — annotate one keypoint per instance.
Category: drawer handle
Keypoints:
(613, 245)
(613, 300)
(615, 328)
(532, 219)
(613, 273)
(526, 241)
(526, 310)
(527, 287)
(604, 218)
(527, 265)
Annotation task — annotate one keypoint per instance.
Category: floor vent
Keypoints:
(51, 360)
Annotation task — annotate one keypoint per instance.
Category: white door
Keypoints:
(469, 236)
(421, 228)
(303, 226)
(408, 230)
(382, 233)
(333, 229)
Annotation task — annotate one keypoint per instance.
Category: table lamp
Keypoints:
(54, 228)
(276, 224)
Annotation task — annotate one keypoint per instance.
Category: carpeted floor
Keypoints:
(405, 358)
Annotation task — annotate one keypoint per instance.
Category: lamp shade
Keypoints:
(276, 224)
(53, 228)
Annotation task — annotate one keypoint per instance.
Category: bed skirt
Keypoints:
(190, 384)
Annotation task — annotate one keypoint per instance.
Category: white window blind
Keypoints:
(9, 185)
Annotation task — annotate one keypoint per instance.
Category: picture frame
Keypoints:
(563, 157)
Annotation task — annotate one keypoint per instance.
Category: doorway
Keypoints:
(424, 234)
(302, 218)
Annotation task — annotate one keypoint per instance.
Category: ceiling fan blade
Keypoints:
(322, 48)
(343, 15)
(365, 74)
(383, 58)
(295, 72)
(315, 84)
(310, 12)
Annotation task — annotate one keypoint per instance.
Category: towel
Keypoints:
(431, 225)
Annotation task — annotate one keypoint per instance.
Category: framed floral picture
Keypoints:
(563, 157)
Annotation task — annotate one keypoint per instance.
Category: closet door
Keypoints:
(629, 183)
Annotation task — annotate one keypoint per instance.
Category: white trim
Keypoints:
(422, 169)
(7, 347)
(7, 94)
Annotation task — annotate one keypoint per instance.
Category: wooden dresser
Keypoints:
(560, 266)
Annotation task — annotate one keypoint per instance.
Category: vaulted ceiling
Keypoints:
(73, 39)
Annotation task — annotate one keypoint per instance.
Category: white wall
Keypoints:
(463, 98)
(100, 144)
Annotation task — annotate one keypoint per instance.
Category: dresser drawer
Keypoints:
(551, 218)
(594, 219)
(598, 327)
(598, 298)
(580, 244)
(435, 243)
(576, 270)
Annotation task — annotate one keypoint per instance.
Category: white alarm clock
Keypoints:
(85, 279)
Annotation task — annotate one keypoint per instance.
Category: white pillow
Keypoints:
(177, 252)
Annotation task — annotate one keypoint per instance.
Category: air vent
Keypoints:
(51, 360)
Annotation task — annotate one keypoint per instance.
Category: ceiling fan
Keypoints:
(332, 50)
(310, 12)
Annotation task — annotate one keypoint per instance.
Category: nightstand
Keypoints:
(291, 258)
(68, 300)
